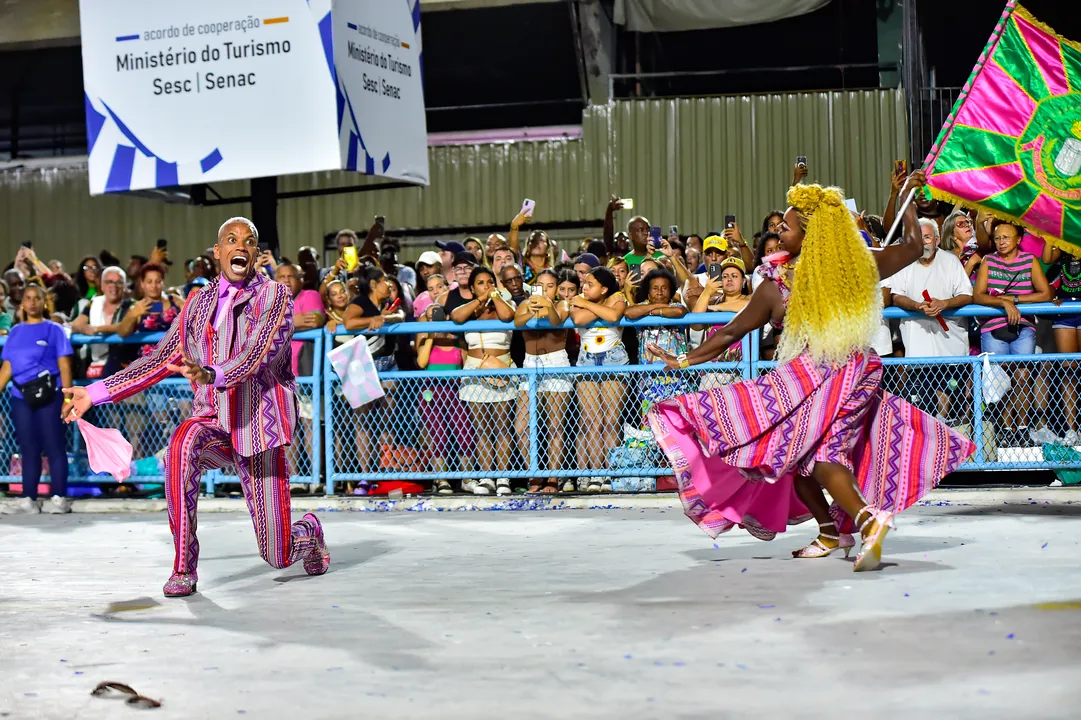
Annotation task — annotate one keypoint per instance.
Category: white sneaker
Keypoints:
(484, 486)
(57, 505)
(594, 485)
(502, 486)
(469, 486)
(21, 506)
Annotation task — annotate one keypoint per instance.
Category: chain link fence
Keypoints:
(578, 428)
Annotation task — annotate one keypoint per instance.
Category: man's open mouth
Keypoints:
(239, 263)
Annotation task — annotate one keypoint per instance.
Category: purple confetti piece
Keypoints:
(906, 594)
(765, 607)
(679, 664)
(626, 657)
(743, 571)
(1010, 636)
(1043, 546)
(716, 546)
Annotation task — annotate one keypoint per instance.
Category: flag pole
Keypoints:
(900, 213)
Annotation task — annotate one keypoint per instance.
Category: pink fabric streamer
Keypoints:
(107, 450)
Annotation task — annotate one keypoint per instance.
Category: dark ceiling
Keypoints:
(519, 64)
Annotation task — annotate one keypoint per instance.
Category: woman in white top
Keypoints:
(600, 397)
(545, 349)
(489, 399)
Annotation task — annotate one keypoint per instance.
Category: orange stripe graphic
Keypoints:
(275, 21)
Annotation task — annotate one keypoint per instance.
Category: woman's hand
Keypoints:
(1013, 315)
(734, 236)
(799, 172)
(76, 405)
(897, 179)
(518, 221)
(713, 287)
(666, 249)
(579, 301)
(664, 356)
(331, 325)
(141, 308)
(376, 322)
(915, 181)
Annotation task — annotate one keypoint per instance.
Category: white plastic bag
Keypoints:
(996, 381)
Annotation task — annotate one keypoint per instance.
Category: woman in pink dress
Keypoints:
(757, 453)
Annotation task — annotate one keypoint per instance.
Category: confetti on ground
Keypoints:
(1010, 636)
(1043, 546)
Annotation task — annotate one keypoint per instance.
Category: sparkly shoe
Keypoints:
(870, 554)
(818, 549)
(180, 584)
(318, 562)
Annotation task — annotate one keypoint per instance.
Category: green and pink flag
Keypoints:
(1012, 144)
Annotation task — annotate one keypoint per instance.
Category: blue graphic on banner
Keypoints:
(94, 123)
(125, 38)
(166, 173)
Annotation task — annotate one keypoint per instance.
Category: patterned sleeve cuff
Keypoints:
(99, 394)
(219, 378)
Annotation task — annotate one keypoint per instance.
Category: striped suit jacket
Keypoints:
(256, 405)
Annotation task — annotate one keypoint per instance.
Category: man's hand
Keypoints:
(933, 308)
(193, 372)
(615, 204)
(76, 404)
(666, 249)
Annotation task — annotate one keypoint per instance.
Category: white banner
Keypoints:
(377, 53)
(202, 91)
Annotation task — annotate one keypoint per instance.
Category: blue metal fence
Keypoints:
(586, 423)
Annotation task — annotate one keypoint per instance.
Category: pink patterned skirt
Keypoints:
(737, 450)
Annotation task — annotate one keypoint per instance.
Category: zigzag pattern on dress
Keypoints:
(736, 450)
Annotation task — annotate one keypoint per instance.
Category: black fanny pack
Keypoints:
(40, 391)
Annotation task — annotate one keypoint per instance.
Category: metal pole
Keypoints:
(900, 214)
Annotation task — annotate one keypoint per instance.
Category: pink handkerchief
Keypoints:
(107, 450)
(354, 365)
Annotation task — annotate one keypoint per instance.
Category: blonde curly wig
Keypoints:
(836, 304)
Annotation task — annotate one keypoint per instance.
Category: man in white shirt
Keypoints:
(943, 277)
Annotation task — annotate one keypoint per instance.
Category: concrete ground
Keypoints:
(629, 613)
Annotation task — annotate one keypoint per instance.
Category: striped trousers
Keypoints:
(199, 444)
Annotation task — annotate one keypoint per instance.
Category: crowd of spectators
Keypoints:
(638, 272)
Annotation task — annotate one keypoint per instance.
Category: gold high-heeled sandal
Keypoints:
(870, 554)
(819, 549)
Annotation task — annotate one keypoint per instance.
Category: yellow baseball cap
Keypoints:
(714, 242)
(734, 262)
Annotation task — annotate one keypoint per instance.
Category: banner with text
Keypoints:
(377, 53)
(185, 93)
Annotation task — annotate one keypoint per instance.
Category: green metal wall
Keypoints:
(684, 161)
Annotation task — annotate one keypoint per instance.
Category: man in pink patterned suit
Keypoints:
(231, 340)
